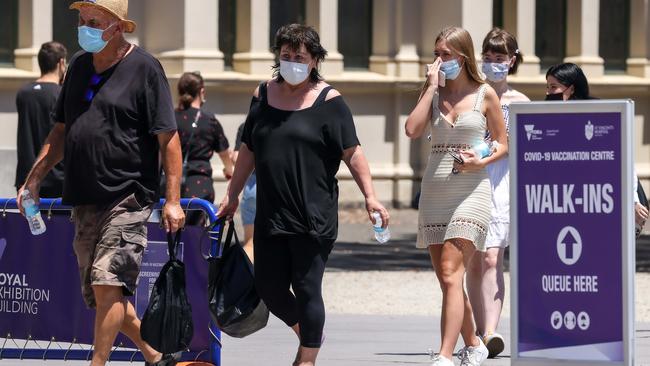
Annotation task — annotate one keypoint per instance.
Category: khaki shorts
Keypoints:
(109, 243)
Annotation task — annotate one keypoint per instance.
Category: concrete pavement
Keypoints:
(361, 340)
(351, 340)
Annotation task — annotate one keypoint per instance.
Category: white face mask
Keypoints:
(495, 71)
(294, 73)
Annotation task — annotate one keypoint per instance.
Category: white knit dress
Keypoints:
(454, 205)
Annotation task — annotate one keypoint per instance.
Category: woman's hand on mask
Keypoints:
(433, 73)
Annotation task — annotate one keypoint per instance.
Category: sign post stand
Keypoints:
(572, 230)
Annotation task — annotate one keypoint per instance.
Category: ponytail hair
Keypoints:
(189, 88)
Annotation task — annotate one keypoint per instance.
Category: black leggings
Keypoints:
(299, 262)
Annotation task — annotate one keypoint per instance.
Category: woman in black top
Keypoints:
(297, 132)
(201, 135)
(567, 82)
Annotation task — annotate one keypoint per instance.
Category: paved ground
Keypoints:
(383, 304)
(366, 340)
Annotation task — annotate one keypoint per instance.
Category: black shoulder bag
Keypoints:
(167, 323)
(233, 301)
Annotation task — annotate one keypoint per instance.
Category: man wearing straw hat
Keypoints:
(114, 118)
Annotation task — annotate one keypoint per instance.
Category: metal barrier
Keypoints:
(14, 289)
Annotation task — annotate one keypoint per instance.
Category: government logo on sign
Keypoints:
(589, 130)
(532, 133)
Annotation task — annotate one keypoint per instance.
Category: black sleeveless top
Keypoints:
(297, 155)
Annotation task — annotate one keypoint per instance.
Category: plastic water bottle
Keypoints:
(33, 215)
(483, 149)
(382, 235)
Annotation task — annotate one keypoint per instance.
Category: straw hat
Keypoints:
(118, 8)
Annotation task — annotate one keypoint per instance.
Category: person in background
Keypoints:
(34, 103)
(248, 203)
(201, 135)
(297, 132)
(567, 82)
(485, 282)
(114, 125)
(455, 203)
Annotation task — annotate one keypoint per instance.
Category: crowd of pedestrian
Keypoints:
(108, 117)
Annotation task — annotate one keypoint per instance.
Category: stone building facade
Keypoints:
(377, 52)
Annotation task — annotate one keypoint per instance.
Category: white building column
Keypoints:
(34, 29)
(183, 35)
(407, 59)
(519, 19)
(384, 45)
(473, 15)
(639, 62)
(583, 36)
(252, 54)
(323, 15)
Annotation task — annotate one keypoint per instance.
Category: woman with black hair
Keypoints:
(297, 132)
(566, 81)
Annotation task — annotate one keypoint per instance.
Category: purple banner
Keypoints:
(40, 293)
(569, 224)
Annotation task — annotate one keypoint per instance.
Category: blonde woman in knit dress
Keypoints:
(455, 203)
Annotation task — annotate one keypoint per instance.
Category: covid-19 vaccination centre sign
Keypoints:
(572, 230)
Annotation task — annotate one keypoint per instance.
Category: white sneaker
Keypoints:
(473, 356)
(439, 360)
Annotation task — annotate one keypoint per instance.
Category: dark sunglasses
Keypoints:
(93, 87)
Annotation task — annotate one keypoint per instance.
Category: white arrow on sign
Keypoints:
(569, 245)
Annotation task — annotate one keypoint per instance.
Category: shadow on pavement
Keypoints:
(643, 254)
(400, 254)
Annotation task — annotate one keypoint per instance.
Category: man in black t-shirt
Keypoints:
(114, 117)
(34, 103)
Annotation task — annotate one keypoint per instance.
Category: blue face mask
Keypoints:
(451, 69)
(90, 39)
(495, 71)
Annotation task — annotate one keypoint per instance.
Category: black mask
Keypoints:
(554, 96)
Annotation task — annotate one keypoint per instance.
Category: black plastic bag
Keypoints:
(234, 304)
(167, 322)
(643, 199)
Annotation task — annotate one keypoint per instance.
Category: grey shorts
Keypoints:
(109, 244)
